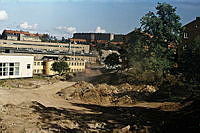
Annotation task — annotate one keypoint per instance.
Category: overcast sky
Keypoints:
(65, 17)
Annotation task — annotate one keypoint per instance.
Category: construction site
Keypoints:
(50, 105)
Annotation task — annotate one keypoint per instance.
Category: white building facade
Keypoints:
(16, 66)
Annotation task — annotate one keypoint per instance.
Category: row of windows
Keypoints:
(76, 64)
(38, 63)
(39, 71)
(9, 69)
(76, 59)
(69, 63)
(50, 45)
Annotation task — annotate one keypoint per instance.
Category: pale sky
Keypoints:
(65, 17)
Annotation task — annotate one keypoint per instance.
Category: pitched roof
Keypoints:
(21, 32)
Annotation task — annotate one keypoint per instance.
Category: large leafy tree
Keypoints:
(164, 25)
(112, 60)
(152, 47)
(165, 29)
(61, 67)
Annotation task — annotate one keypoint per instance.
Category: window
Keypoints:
(28, 66)
(9, 69)
(185, 35)
(38, 63)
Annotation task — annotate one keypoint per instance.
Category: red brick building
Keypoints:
(191, 31)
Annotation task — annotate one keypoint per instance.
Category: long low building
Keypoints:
(16, 66)
(75, 66)
(45, 46)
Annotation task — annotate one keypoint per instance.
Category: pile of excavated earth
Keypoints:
(104, 94)
(84, 109)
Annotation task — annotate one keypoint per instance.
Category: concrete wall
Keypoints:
(24, 70)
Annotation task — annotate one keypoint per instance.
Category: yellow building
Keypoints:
(45, 67)
(87, 59)
(38, 67)
(48, 67)
(76, 65)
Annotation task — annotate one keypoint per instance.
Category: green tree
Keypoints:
(45, 38)
(164, 25)
(61, 67)
(112, 60)
(152, 47)
(165, 29)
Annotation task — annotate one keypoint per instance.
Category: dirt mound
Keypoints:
(105, 94)
(89, 93)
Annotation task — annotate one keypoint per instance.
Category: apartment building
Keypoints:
(44, 65)
(38, 67)
(75, 66)
(12, 66)
(101, 38)
(94, 36)
(20, 36)
(191, 31)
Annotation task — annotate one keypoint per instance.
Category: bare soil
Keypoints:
(37, 106)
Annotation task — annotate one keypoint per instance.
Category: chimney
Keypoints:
(197, 18)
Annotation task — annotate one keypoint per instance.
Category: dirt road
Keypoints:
(53, 114)
(45, 94)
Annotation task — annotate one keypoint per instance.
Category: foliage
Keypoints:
(165, 28)
(190, 63)
(61, 67)
(163, 25)
(152, 47)
(45, 38)
(112, 60)
(123, 56)
(48, 38)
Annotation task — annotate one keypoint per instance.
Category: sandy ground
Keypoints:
(50, 113)
(45, 94)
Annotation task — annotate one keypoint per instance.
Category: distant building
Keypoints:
(94, 36)
(16, 66)
(45, 46)
(20, 36)
(191, 31)
(102, 38)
